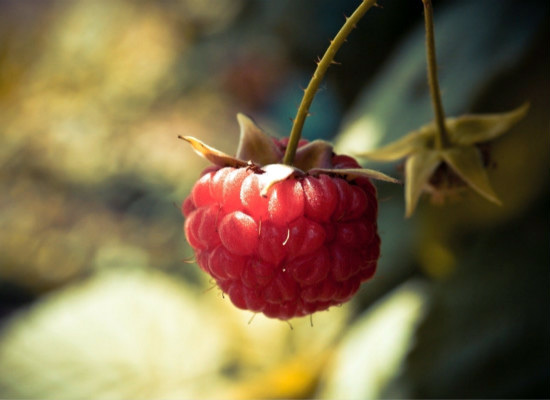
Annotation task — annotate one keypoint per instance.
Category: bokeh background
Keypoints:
(97, 300)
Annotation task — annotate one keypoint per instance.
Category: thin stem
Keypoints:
(322, 66)
(441, 139)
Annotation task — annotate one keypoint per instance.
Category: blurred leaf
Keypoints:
(486, 331)
(371, 352)
(102, 338)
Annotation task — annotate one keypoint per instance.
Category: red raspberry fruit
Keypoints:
(298, 246)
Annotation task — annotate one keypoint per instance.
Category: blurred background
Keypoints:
(96, 300)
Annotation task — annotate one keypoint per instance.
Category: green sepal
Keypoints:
(471, 129)
(419, 168)
(408, 144)
(467, 163)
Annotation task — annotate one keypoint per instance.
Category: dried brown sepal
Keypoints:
(353, 173)
(213, 155)
(316, 154)
(254, 144)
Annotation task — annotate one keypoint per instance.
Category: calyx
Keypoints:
(263, 153)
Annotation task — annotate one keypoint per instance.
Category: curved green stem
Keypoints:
(441, 139)
(322, 66)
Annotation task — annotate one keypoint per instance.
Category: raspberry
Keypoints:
(289, 248)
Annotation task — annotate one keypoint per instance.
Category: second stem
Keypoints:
(441, 139)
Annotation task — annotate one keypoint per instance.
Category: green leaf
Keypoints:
(352, 173)
(254, 144)
(470, 129)
(401, 148)
(213, 155)
(467, 163)
(419, 167)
